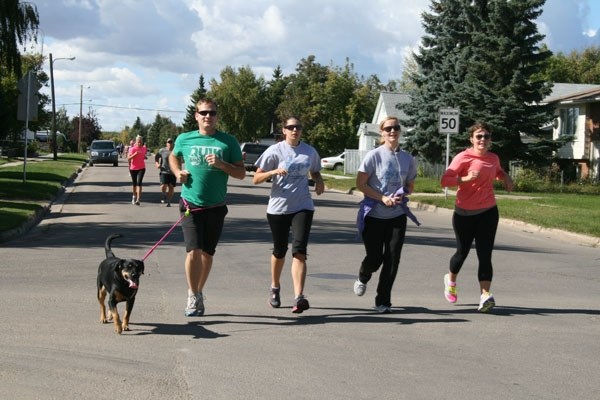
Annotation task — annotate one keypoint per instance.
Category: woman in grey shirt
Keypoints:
(385, 175)
(289, 163)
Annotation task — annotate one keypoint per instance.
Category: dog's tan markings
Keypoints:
(117, 321)
(101, 298)
(125, 324)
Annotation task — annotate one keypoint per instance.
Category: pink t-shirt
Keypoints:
(139, 160)
(479, 193)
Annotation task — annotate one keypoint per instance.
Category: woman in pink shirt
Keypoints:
(475, 213)
(137, 168)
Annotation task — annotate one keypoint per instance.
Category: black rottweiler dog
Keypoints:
(119, 279)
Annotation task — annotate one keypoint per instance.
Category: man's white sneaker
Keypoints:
(195, 305)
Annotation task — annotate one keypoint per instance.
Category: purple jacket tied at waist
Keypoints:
(367, 204)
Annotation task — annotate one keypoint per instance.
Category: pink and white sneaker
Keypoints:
(450, 289)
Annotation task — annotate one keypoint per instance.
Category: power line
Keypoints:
(127, 108)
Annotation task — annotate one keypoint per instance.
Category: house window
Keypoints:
(568, 117)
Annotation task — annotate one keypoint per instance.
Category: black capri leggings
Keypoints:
(137, 176)
(481, 228)
(300, 224)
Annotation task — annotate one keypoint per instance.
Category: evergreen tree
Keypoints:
(190, 123)
(162, 129)
(481, 56)
(138, 128)
(275, 91)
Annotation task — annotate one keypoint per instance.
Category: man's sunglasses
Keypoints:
(204, 113)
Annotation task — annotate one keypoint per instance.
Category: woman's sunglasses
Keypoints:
(390, 128)
(486, 136)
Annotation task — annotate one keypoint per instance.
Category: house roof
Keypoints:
(388, 101)
(568, 92)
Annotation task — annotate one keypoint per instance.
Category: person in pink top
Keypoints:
(475, 212)
(137, 168)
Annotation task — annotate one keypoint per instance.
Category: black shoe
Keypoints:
(274, 300)
(300, 304)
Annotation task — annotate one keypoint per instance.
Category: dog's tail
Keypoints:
(107, 245)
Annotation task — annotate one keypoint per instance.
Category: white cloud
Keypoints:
(150, 54)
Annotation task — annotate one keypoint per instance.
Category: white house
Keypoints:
(368, 133)
(577, 115)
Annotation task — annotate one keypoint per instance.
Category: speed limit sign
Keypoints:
(449, 118)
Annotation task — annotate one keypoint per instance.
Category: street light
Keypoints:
(80, 118)
(54, 144)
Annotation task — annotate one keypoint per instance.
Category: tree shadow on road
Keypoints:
(194, 329)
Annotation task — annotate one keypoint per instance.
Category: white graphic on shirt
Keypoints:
(198, 154)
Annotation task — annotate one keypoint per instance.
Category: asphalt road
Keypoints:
(541, 342)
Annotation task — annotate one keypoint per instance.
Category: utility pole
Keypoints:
(54, 142)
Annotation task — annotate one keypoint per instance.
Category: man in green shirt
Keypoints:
(209, 157)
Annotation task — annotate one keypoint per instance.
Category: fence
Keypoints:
(353, 158)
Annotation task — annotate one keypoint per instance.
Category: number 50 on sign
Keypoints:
(449, 118)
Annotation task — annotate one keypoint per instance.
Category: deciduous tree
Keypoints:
(242, 103)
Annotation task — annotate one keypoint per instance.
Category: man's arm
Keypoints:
(236, 170)
(175, 165)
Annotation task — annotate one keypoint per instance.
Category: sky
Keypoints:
(140, 58)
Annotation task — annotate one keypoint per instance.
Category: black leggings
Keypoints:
(481, 228)
(383, 239)
(300, 224)
(137, 176)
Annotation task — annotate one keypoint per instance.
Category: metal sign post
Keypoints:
(448, 124)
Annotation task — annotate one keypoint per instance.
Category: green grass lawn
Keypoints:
(571, 212)
(579, 213)
(43, 181)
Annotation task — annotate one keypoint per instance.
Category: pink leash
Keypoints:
(185, 214)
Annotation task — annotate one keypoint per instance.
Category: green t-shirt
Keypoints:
(206, 186)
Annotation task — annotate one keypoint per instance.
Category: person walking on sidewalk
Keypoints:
(475, 214)
(137, 168)
(167, 179)
(386, 175)
(210, 157)
(291, 207)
